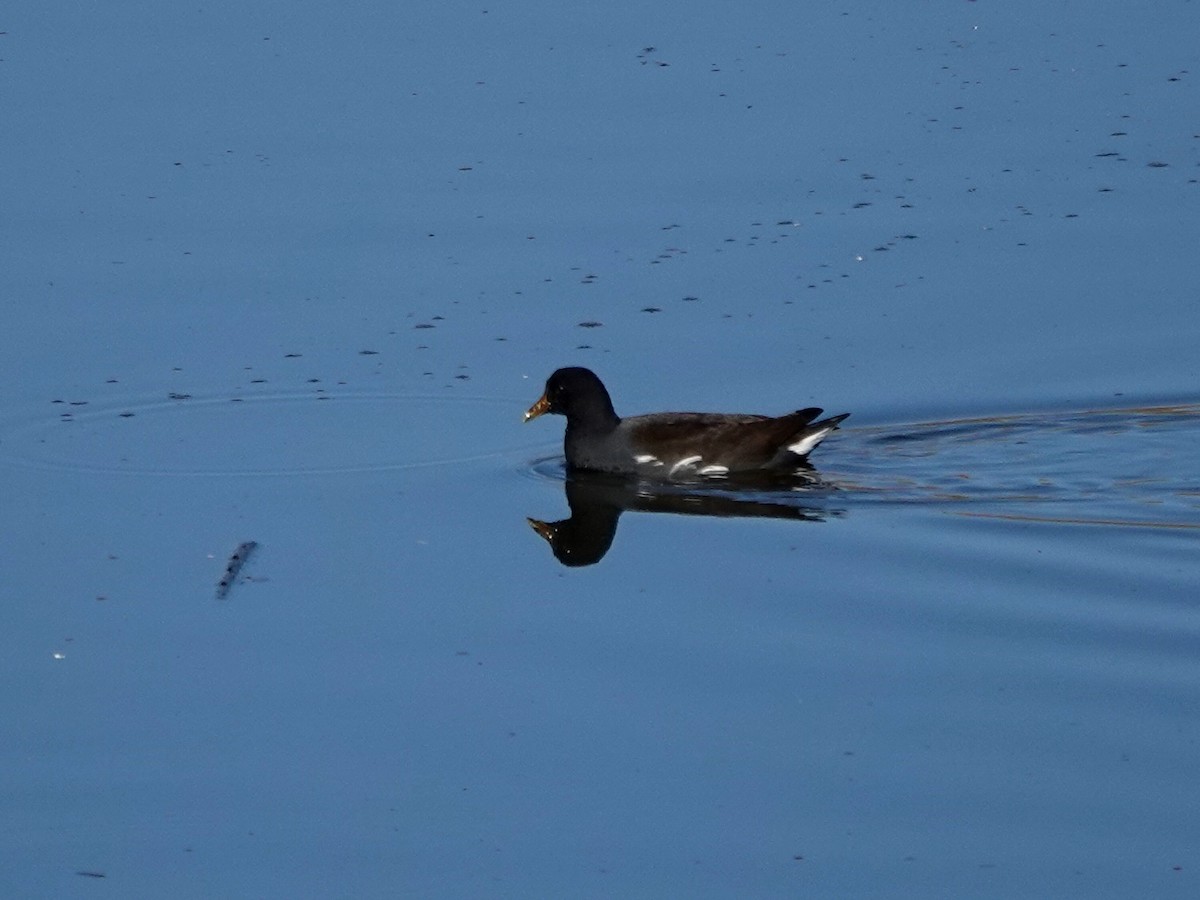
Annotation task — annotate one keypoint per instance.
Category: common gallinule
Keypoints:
(673, 445)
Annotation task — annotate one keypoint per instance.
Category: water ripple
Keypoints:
(1135, 466)
(266, 434)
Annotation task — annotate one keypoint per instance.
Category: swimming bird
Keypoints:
(673, 445)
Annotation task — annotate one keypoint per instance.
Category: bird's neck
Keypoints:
(598, 417)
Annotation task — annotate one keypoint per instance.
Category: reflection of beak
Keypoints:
(540, 408)
(545, 529)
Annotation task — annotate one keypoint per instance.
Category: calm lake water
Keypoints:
(290, 275)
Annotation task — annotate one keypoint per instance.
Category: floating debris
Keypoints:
(240, 555)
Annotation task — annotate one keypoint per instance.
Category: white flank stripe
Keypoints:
(687, 462)
(714, 470)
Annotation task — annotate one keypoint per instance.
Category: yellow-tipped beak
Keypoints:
(540, 408)
(545, 529)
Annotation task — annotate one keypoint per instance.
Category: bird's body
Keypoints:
(675, 444)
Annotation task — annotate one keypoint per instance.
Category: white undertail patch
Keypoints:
(805, 445)
(647, 459)
(714, 470)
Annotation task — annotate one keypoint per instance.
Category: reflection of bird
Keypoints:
(582, 539)
(673, 445)
(597, 501)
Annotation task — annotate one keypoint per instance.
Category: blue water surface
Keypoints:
(290, 274)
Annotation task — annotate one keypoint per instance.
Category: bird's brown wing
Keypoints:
(733, 441)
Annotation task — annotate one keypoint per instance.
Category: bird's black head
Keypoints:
(576, 393)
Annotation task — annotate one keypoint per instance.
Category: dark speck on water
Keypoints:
(234, 566)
